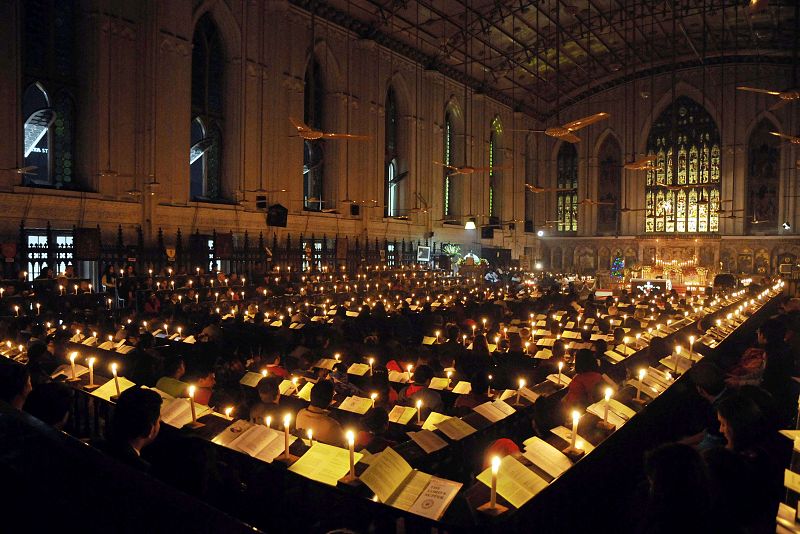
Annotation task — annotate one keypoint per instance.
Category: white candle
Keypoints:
(373, 396)
(286, 420)
(560, 367)
(576, 416)
(16, 310)
(91, 371)
(38, 309)
(642, 374)
(691, 346)
(191, 402)
(408, 372)
(519, 391)
(116, 380)
(419, 412)
(72, 357)
(495, 469)
(449, 377)
(228, 411)
(678, 350)
(351, 443)
(310, 434)
(371, 361)
(268, 421)
(489, 389)
(609, 391)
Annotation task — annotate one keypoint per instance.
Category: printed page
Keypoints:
(402, 414)
(515, 483)
(462, 388)
(251, 379)
(358, 369)
(324, 463)
(385, 474)
(455, 429)
(543, 455)
(433, 419)
(435, 498)
(427, 440)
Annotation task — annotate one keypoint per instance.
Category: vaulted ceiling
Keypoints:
(542, 55)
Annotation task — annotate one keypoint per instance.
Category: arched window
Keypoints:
(449, 159)
(392, 176)
(608, 185)
(567, 179)
(494, 173)
(763, 179)
(205, 146)
(48, 109)
(313, 150)
(682, 194)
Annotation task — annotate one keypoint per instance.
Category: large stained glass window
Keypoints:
(682, 194)
(448, 160)
(567, 179)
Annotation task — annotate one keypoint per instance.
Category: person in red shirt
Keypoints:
(584, 388)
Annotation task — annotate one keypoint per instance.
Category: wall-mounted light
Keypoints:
(470, 224)
(540, 233)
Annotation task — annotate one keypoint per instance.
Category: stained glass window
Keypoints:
(313, 150)
(206, 141)
(48, 106)
(494, 174)
(448, 160)
(567, 179)
(682, 194)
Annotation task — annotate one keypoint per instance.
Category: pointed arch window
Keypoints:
(683, 193)
(567, 182)
(392, 177)
(449, 159)
(608, 186)
(495, 174)
(206, 139)
(313, 150)
(48, 108)
(763, 178)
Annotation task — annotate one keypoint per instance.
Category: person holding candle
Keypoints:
(583, 389)
(135, 424)
(316, 416)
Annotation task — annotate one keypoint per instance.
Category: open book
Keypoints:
(356, 404)
(462, 388)
(324, 463)
(358, 369)
(433, 419)
(439, 383)
(178, 412)
(564, 380)
(546, 457)
(427, 440)
(455, 428)
(402, 414)
(108, 390)
(251, 379)
(397, 376)
(261, 442)
(66, 370)
(395, 483)
(494, 411)
(515, 483)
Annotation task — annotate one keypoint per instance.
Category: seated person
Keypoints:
(274, 365)
(419, 391)
(170, 383)
(477, 395)
(341, 382)
(50, 403)
(325, 428)
(269, 395)
(135, 425)
(583, 389)
(709, 381)
(373, 436)
(15, 385)
(204, 380)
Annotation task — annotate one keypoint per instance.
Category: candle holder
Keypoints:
(606, 428)
(114, 398)
(194, 425)
(488, 509)
(286, 460)
(73, 380)
(91, 387)
(573, 453)
(351, 481)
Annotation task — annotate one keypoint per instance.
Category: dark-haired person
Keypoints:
(584, 387)
(709, 381)
(375, 425)
(325, 428)
(170, 383)
(779, 368)
(15, 385)
(204, 380)
(479, 393)
(419, 391)
(134, 426)
(50, 403)
(268, 389)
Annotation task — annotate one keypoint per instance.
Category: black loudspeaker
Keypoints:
(355, 210)
(277, 215)
(261, 202)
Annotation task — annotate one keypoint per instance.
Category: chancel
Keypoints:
(452, 266)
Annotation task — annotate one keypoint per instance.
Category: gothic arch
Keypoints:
(224, 20)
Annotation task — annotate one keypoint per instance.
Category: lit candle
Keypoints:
(294, 384)
(560, 367)
(419, 412)
(351, 443)
(625, 345)
(449, 377)
(116, 379)
(642, 374)
(576, 416)
(191, 402)
(268, 421)
(166, 329)
(228, 411)
(373, 396)
(76, 289)
(678, 350)
(264, 373)
(310, 434)
(371, 361)
(408, 371)
(91, 371)
(609, 391)
(286, 420)
(519, 391)
(489, 390)
(16, 310)
(72, 357)
(495, 469)
(38, 309)
(691, 345)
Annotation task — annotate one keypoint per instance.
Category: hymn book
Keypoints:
(427, 440)
(433, 419)
(190, 340)
(358, 369)
(515, 483)
(428, 340)
(108, 390)
(462, 388)
(399, 377)
(106, 345)
(178, 412)
(286, 386)
(494, 411)
(305, 391)
(455, 429)
(125, 349)
(395, 483)
(565, 380)
(90, 341)
(251, 379)
(546, 457)
(66, 370)
(402, 414)
(324, 463)
(566, 434)
(356, 404)
(439, 383)
(261, 442)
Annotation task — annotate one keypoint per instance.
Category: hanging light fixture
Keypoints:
(470, 224)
